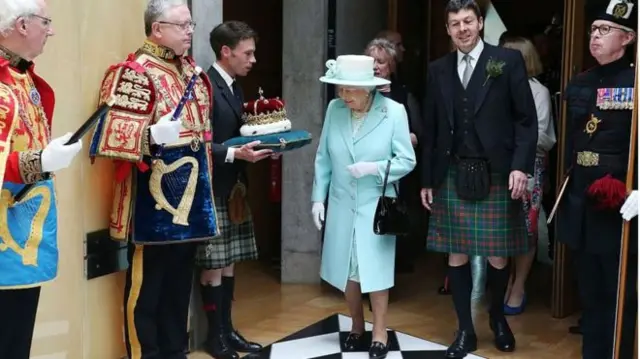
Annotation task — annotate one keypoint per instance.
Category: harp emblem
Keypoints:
(35, 229)
(159, 170)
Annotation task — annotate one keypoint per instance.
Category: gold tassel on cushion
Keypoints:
(238, 209)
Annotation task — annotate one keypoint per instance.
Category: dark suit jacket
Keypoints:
(226, 119)
(505, 115)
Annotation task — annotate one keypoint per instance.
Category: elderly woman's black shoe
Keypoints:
(354, 342)
(378, 351)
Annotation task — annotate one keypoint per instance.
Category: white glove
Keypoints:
(165, 131)
(57, 156)
(317, 211)
(630, 207)
(361, 169)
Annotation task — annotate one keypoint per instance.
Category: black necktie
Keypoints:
(236, 89)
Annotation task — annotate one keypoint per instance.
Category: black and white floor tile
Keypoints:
(323, 340)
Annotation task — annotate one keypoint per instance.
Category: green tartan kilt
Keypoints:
(493, 227)
(236, 242)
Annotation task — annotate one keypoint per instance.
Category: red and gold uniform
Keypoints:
(163, 203)
(28, 229)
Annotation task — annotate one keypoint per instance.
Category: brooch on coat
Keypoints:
(592, 125)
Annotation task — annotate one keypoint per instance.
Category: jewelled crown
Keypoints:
(264, 116)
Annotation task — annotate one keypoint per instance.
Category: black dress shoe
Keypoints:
(218, 348)
(465, 343)
(238, 343)
(378, 351)
(354, 342)
(504, 339)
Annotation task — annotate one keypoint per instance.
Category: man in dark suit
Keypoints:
(233, 43)
(479, 147)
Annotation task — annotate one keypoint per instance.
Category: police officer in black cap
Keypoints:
(597, 137)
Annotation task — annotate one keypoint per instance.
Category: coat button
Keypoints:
(448, 152)
(452, 132)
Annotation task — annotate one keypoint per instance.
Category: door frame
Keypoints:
(563, 294)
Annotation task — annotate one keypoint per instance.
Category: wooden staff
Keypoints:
(622, 270)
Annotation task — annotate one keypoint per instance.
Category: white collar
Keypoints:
(225, 76)
(475, 53)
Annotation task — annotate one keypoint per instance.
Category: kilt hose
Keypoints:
(493, 227)
(236, 242)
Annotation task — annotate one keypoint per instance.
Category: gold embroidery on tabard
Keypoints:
(133, 91)
(30, 166)
(159, 170)
(28, 253)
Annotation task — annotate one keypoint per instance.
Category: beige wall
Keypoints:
(79, 318)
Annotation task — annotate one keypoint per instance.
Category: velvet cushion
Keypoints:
(278, 142)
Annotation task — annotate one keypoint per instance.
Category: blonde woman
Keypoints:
(516, 297)
(363, 133)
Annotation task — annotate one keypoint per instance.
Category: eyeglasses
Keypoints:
(604, 29)
(46, 21)
(190, 25)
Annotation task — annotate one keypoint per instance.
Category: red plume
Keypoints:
(608, 192)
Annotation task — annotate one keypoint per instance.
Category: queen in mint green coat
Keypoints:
(351, 250)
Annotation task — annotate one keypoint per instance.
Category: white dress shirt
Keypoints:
(474, 54)
(229, 81)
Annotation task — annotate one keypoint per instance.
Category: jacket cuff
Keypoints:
(30, 165)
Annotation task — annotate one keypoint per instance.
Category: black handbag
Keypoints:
(391, 216)
(473, 179)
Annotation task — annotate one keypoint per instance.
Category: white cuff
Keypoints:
(231, 155)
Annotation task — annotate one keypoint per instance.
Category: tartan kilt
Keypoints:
(493, 227)
(236, 242)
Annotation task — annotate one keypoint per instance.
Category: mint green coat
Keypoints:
(384, 136)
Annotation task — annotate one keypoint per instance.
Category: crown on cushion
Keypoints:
(263, 111)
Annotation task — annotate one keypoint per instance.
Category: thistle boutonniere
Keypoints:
(493, 69)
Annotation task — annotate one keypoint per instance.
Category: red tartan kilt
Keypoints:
(493, 227)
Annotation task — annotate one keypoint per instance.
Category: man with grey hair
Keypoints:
(163, 202)
(28, 240)
(597, 149)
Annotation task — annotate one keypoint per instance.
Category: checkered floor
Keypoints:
(323, 340)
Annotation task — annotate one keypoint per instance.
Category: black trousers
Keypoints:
(156, 300)
(598, 286)
(17, 320)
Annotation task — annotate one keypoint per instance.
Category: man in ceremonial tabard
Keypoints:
(479, 143)
(598, 133)
(163, 200)
(28, 228)
(233, 43)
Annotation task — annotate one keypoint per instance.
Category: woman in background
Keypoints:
(362, 133)
(385, 55)
(516, 298)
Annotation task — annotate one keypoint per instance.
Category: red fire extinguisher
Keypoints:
(275, 179)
